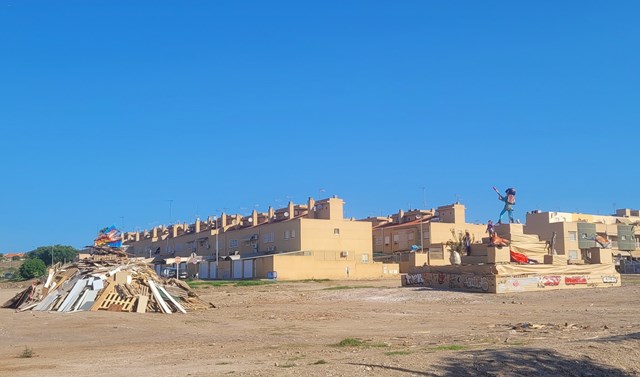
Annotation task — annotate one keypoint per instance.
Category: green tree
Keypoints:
(15, 258)
(32, 268)
(61, 253)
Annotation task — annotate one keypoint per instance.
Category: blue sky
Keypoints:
(109, 109)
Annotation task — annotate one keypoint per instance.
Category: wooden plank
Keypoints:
(142, 304)
(73, 295)
(89, 300)
(108, 288)
(159, 300)
(47, 301)
(174, 302)
(115, 299)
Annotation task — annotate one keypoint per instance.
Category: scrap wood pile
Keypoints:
(107, 281)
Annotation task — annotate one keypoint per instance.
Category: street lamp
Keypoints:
(215, 219)
(422, 239)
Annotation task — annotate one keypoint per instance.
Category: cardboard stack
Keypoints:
(107, 281)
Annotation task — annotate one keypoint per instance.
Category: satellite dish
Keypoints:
(286, 214)
(319, 206)
(250, 220)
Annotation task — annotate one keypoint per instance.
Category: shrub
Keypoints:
(32, 268)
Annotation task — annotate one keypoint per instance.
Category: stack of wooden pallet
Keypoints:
(107, 282)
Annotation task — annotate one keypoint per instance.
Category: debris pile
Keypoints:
(107, 280)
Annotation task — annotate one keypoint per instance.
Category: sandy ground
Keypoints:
(292, 329)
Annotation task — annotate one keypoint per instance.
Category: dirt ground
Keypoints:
(294, 329)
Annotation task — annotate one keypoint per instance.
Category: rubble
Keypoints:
(107, 280)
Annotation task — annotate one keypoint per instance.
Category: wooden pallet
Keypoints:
(115, 299)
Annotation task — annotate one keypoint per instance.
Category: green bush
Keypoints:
(32, 268)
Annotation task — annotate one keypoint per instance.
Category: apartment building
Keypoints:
(424, 231)
(303, 241)
(577, 232)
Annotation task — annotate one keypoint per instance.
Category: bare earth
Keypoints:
(292, 329)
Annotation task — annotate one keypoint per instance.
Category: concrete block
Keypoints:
(498, 255)
(506, 230)
(601, 256)
(478, 250)
(558, 260)
(470, 259)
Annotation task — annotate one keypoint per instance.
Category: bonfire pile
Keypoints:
(107, 280)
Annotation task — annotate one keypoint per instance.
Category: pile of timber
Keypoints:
(107, 282)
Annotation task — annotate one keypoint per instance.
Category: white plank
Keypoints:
(156, 294)
(174, 302)
(73, 295)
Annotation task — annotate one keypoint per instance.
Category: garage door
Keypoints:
(248, 269)
(203, 270)
(237, 269)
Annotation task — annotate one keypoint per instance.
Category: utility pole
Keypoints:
(170, 205)
(215, 218)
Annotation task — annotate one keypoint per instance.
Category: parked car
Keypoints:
(170, 272)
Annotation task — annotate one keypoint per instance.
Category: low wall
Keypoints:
(510, 278)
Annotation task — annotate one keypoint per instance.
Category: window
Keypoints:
(365, 258)
(410, 237)
(233, 243)
(386, 240)
(269, 237)
(287, 234)
(573, 236)
(336, 231)
(396, 238)
(293, 233)
(623, 237)
(378, 240)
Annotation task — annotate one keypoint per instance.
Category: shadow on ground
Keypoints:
(513, 362)
(619, 338)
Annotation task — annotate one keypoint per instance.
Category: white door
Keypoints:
(248, 269)
(236, 268)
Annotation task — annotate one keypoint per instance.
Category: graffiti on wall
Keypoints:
(521, 284)
(550, 281)
(575, 279)
(476, 282)
(413, 279)
(465, 282)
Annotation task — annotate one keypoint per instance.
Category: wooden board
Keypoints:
(159, 300)
(142, 304)
(108, 288)
(114, 299)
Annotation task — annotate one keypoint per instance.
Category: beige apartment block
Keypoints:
(575, 233)
(305, 241)
(428, 231)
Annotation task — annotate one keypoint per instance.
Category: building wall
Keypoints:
(329, 265)
(351, 236)
(571, 227)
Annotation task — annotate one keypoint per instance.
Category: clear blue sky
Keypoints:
(109, 109)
